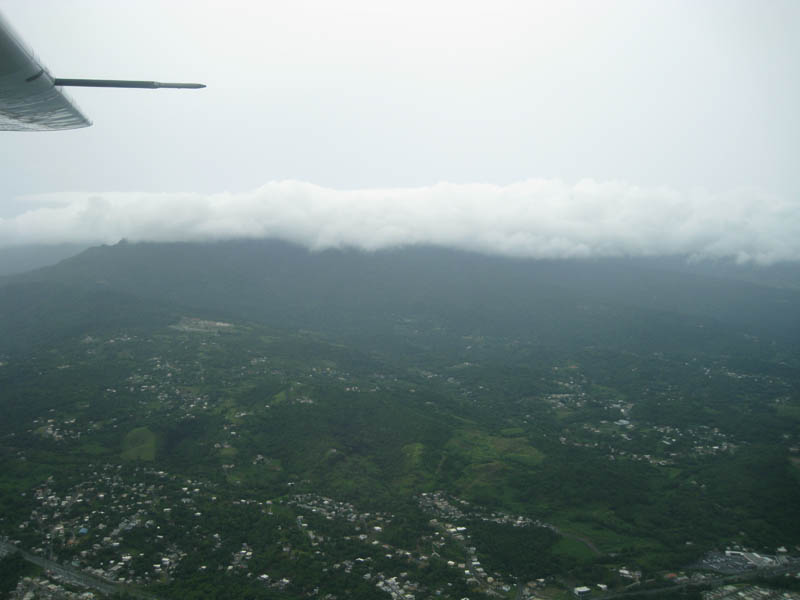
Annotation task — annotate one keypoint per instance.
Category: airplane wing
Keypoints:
(29, 97)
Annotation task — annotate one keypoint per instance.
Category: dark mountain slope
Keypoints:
(43, 312)
(624, 303)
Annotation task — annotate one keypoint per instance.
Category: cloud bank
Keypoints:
(537, 218)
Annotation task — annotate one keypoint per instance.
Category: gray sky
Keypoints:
(680, 118)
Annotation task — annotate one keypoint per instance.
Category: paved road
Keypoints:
(70, 574)
(715, 582)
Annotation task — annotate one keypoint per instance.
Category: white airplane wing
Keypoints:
(32, 100)
(29, 97)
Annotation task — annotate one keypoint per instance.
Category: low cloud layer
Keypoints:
(536, 218)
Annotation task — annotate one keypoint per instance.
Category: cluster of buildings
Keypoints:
(738, 559)
(621, 437)
(398, 587)
(749, 592)
(85, 526)
(44, 588)
(334, 509)
(448, 512)
(447, 507)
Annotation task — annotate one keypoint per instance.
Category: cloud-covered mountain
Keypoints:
(537, 218)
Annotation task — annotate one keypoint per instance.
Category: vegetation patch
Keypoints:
(139, 444)
(94, 449)
(572, 548)
(512, 431)
(789, 411)
(524, 551)
(413, 454)
(479, 447)
(12, 568)
(228, 452)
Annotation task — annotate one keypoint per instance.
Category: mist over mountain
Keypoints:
(18, 259)
(535, 218)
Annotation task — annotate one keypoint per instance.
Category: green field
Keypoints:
(139, 444)
(789, 411)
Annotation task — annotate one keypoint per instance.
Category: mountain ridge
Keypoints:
(281, 284)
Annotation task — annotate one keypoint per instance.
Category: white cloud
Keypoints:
(536, 218)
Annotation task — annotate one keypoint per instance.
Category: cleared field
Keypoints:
(574, 549)
(139, 444)
(479, 447)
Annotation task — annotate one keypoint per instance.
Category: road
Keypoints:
(715, 582)
(74, 576)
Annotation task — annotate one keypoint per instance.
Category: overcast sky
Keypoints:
(561, 128)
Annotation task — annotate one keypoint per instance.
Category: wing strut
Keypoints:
(121, 83)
